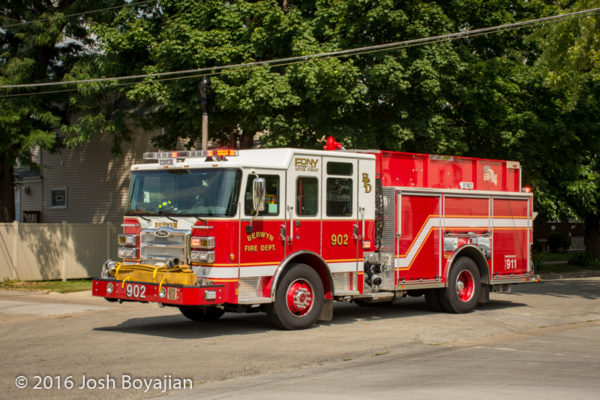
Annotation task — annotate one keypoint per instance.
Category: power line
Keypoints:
(193, 73)
(77, 14)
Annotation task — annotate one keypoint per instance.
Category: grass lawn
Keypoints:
(562, 268)
(556, 256)
(550, 262)
(75, 285)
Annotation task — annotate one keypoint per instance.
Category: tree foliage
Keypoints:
(39, 42)
(570, 66)
(446, 98)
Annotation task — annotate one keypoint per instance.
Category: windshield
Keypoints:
(195, 192)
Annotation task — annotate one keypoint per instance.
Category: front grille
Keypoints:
(160, 245)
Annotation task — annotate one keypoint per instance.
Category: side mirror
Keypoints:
(259, 194)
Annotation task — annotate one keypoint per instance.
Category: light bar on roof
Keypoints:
(163, 155)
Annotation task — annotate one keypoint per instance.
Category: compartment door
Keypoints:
(511, 227)
(418, 230)
(341, 232)
(261, 245)
(303, 208)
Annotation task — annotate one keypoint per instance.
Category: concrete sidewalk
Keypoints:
(24, 302)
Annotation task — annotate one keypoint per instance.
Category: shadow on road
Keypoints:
(179, 327)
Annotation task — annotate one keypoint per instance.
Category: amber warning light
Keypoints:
(164, 155)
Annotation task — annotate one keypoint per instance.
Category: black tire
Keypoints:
(432, 297)
(464, 287)
(201, 314)
(298, 298)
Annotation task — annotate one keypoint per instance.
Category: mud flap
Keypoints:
(484, 294)
(326, 311)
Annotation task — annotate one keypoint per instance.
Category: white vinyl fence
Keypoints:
(55, 251)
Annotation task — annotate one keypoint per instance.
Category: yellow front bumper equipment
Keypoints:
(178, 275)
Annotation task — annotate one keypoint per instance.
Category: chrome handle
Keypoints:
(290, 209)
(282, 233)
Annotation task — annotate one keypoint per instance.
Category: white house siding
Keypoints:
(95, 180)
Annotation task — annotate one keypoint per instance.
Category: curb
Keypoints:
(548, 276)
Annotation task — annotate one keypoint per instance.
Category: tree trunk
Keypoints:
(247, 140)
(592, 234)
(232, 139)
(7, 181)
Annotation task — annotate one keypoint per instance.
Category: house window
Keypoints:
(58, 198)
(32, 216)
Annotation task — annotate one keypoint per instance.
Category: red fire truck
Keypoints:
(290, 231)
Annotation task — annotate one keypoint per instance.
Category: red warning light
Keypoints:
(332, 144)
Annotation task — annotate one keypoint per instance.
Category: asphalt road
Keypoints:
(540, 341)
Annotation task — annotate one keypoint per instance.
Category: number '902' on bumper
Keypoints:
(156, 293)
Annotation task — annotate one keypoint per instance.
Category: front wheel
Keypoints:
(464, 287)
(298, 298)
(200, 314)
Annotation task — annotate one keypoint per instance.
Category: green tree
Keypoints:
(419, 99)
(40, 42)
(295, 104)
(570, 66)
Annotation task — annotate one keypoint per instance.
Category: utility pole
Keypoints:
(204, 87)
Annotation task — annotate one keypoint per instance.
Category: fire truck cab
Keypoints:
(289, 231)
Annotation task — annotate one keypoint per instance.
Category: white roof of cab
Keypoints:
(258, 158)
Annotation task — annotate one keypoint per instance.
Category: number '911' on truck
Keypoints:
(290, 231)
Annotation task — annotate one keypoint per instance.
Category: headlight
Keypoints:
(128, 240)
(127, 252)
(207, 257)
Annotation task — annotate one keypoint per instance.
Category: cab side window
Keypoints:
(307, 196)
(339, 189)
(272, 203)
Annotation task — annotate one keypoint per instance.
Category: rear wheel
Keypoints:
(200, 314)
(464, 287)
(298, 298)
